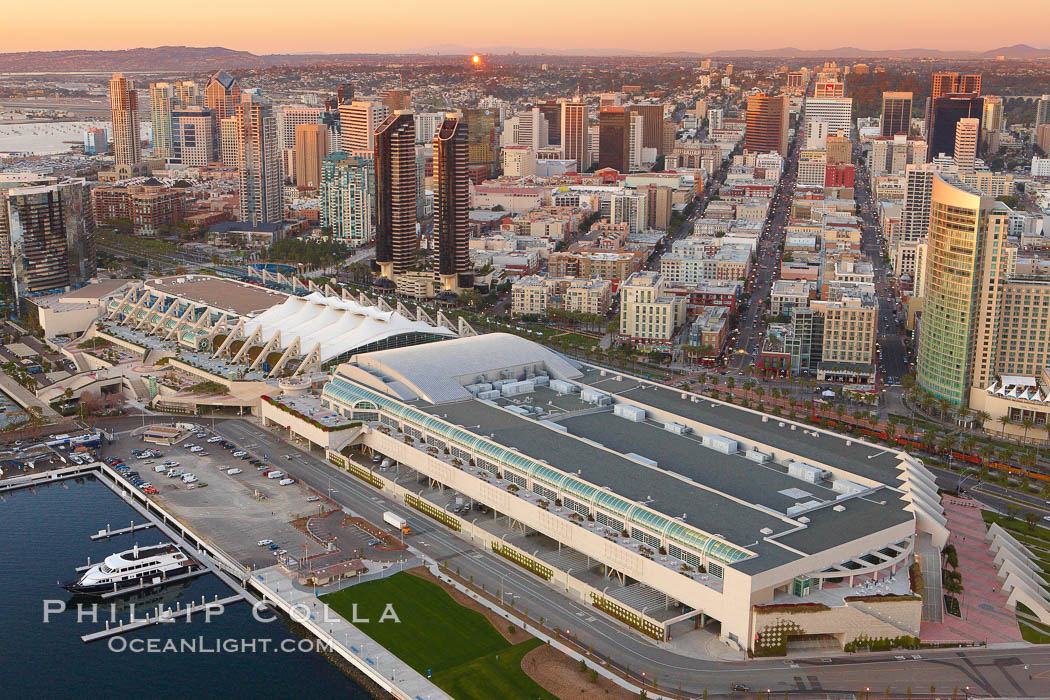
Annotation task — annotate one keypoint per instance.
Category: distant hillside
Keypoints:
(192, 58)
(188, 58)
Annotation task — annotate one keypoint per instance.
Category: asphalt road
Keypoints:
(894, 358)
(992, 671)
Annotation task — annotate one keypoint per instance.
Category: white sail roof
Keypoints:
(338, 325)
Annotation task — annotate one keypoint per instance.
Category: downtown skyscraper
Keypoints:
(896, 113)
(123, 108)
(396, 184)
(452, 205)
(767, 124)
(258, 162)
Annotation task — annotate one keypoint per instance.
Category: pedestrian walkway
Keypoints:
(985, 616)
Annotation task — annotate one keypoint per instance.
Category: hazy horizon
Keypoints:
(330, 26)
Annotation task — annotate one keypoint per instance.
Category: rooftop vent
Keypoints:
(766, 531)
(803, 519)
(838, 508)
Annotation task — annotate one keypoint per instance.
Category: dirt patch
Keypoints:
(497, 620)
(560, 675)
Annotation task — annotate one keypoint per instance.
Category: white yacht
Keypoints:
(139, 565)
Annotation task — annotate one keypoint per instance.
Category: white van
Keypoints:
(275, 475)
(188, 478)
(286, 482)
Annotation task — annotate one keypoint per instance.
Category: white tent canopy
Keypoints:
(338, 325)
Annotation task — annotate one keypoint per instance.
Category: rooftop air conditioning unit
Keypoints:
(838, 508)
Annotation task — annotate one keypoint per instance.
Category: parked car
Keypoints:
(265, 543)
(234, 471)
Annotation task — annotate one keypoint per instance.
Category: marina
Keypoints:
(43, 541)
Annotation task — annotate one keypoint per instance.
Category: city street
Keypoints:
(990, 670)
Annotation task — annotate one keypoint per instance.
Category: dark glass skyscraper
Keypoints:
(452, 205)
(395, 163)
(614, 144)
(945, 113)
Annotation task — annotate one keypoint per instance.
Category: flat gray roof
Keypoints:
(724, 495)
(872, 462)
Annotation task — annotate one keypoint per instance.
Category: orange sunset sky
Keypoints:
(265, 26)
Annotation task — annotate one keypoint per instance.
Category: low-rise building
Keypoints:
(649, 314)
(150, 206)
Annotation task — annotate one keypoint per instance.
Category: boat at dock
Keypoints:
(136, 568)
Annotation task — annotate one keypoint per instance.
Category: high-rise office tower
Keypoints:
(482, 140)
(965, 267)
(427, 125)
(614, 138)
(654, 125)
(992, 117)
(311, 147)
(395, 164)
(452, 205)
(161, 104)
(226, 142)
(1042, 112)
(829, 88)
(767, 124)
(358, 121)
(123, 109)
(635, 140)
(291, 116)
(397, 98)
(188, 94)
(528, 128)
(192, 136)
(551, 110)
(896, 113)
(967, 136)
(836, 111)
(948, 83)
(945, 113)
(575, 133)
(221, 96)
(348, 191)
(50, 237)
(258, 164)
(969, 84)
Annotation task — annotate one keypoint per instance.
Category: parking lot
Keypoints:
(234, 512)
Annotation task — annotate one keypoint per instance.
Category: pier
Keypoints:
(107, 533)
(163, 616)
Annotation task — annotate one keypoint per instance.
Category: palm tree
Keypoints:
(1027, 423)
(1004, 420)
(982, 417)
(945, 444)
(760, 392)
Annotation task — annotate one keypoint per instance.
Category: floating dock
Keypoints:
(164, 616)
(107, 533)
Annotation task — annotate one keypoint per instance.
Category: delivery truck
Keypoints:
(397, 521)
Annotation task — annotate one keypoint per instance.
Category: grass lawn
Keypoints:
(1037, 536)
(486, 677)
(1040, 635)
(458, 645)
(435, 631)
